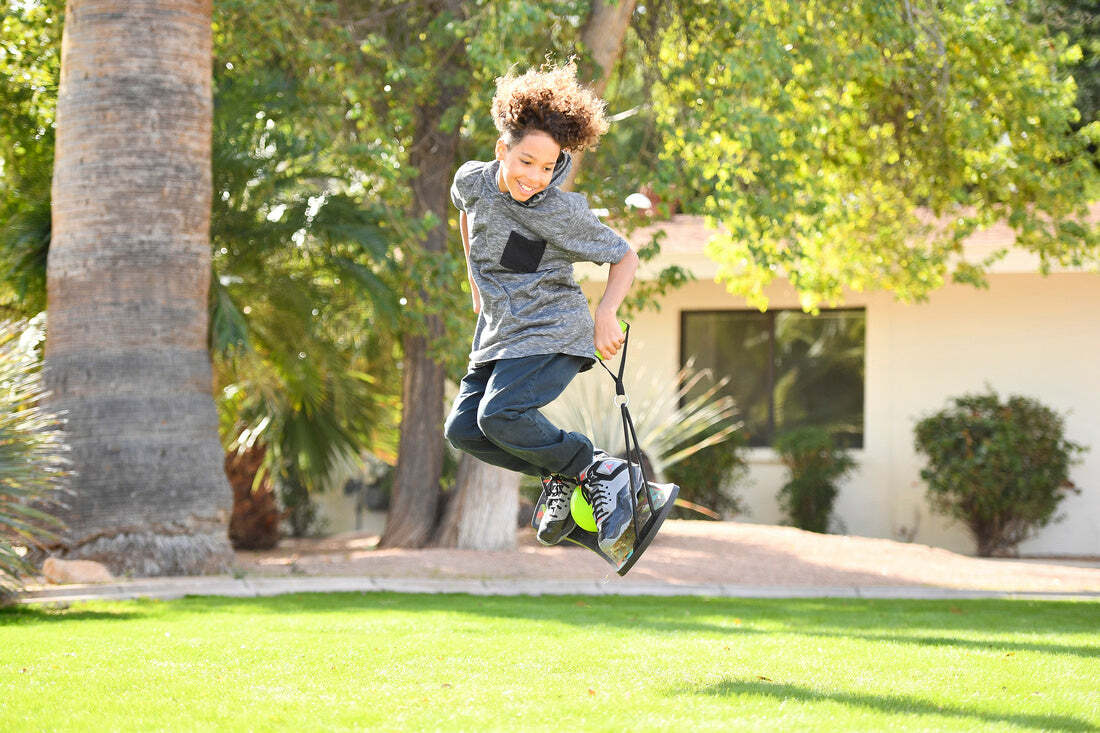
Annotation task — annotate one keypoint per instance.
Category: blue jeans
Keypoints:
(495, 416)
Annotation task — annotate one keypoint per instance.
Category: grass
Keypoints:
(455, 662)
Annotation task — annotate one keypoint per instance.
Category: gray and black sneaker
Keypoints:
(557, 520)
(606, 485)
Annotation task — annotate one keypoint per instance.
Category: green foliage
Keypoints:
(1079, 22)
(999, 467)
(303, 306)
(33, 466)
(706, 478)
(815, 131)
(301, 509)
(30, 61)
(25, 241)
(812, 139)
(647, 293)
(815, 464)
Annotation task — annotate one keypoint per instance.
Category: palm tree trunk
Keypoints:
(127, 281)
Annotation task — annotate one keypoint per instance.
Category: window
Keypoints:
(786, 369)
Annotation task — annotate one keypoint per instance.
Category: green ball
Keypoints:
(582, 511)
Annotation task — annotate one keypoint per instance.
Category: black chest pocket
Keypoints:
(522, 254)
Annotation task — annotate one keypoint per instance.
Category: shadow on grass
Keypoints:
(1083, 650)
(691, 613)
(838, 619)
(892, 704)
(31, 615)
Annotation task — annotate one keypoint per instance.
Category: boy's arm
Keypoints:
(609, 335)
(474, 292)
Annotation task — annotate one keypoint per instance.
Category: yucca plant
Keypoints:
(33, 466)
(669, 428)
(705, 478)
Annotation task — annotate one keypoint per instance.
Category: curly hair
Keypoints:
(553, 101)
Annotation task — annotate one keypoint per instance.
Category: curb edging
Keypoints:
(170, 588)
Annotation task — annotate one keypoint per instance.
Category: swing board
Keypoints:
(652, 502)
(626, 551)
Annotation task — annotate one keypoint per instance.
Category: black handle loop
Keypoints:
(630, 437)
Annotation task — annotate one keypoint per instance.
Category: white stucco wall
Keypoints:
(340, 514)
(1027, 334)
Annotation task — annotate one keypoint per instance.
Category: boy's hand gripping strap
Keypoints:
(630, 437)
(620, 388)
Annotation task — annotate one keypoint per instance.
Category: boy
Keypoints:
(521, 234)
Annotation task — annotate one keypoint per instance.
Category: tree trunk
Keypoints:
(254, 524)
(415, 499)
(482, 513)
(127, 281)
(603, 33)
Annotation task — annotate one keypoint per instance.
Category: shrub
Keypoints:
(705, 475)
(299, 508)
(1000, 468)
(33, 467)
(815, 464)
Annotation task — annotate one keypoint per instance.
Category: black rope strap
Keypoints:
(630, 437)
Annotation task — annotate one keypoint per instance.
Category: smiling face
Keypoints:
(526, 167)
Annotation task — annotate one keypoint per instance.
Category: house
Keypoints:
(886, 364)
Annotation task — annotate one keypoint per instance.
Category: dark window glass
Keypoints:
(787, 369)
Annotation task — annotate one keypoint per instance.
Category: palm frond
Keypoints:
(228, 328)
(34, 470)
(24, 242)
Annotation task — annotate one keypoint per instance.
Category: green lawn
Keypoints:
(435, 662)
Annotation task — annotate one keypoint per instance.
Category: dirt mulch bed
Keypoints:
(691, 553)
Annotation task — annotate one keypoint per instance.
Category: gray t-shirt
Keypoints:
(521, 257)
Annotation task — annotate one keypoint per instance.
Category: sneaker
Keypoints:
(606, 484)
(557, 520)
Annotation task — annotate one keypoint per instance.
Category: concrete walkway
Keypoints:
(167, 588)
(717, 559)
